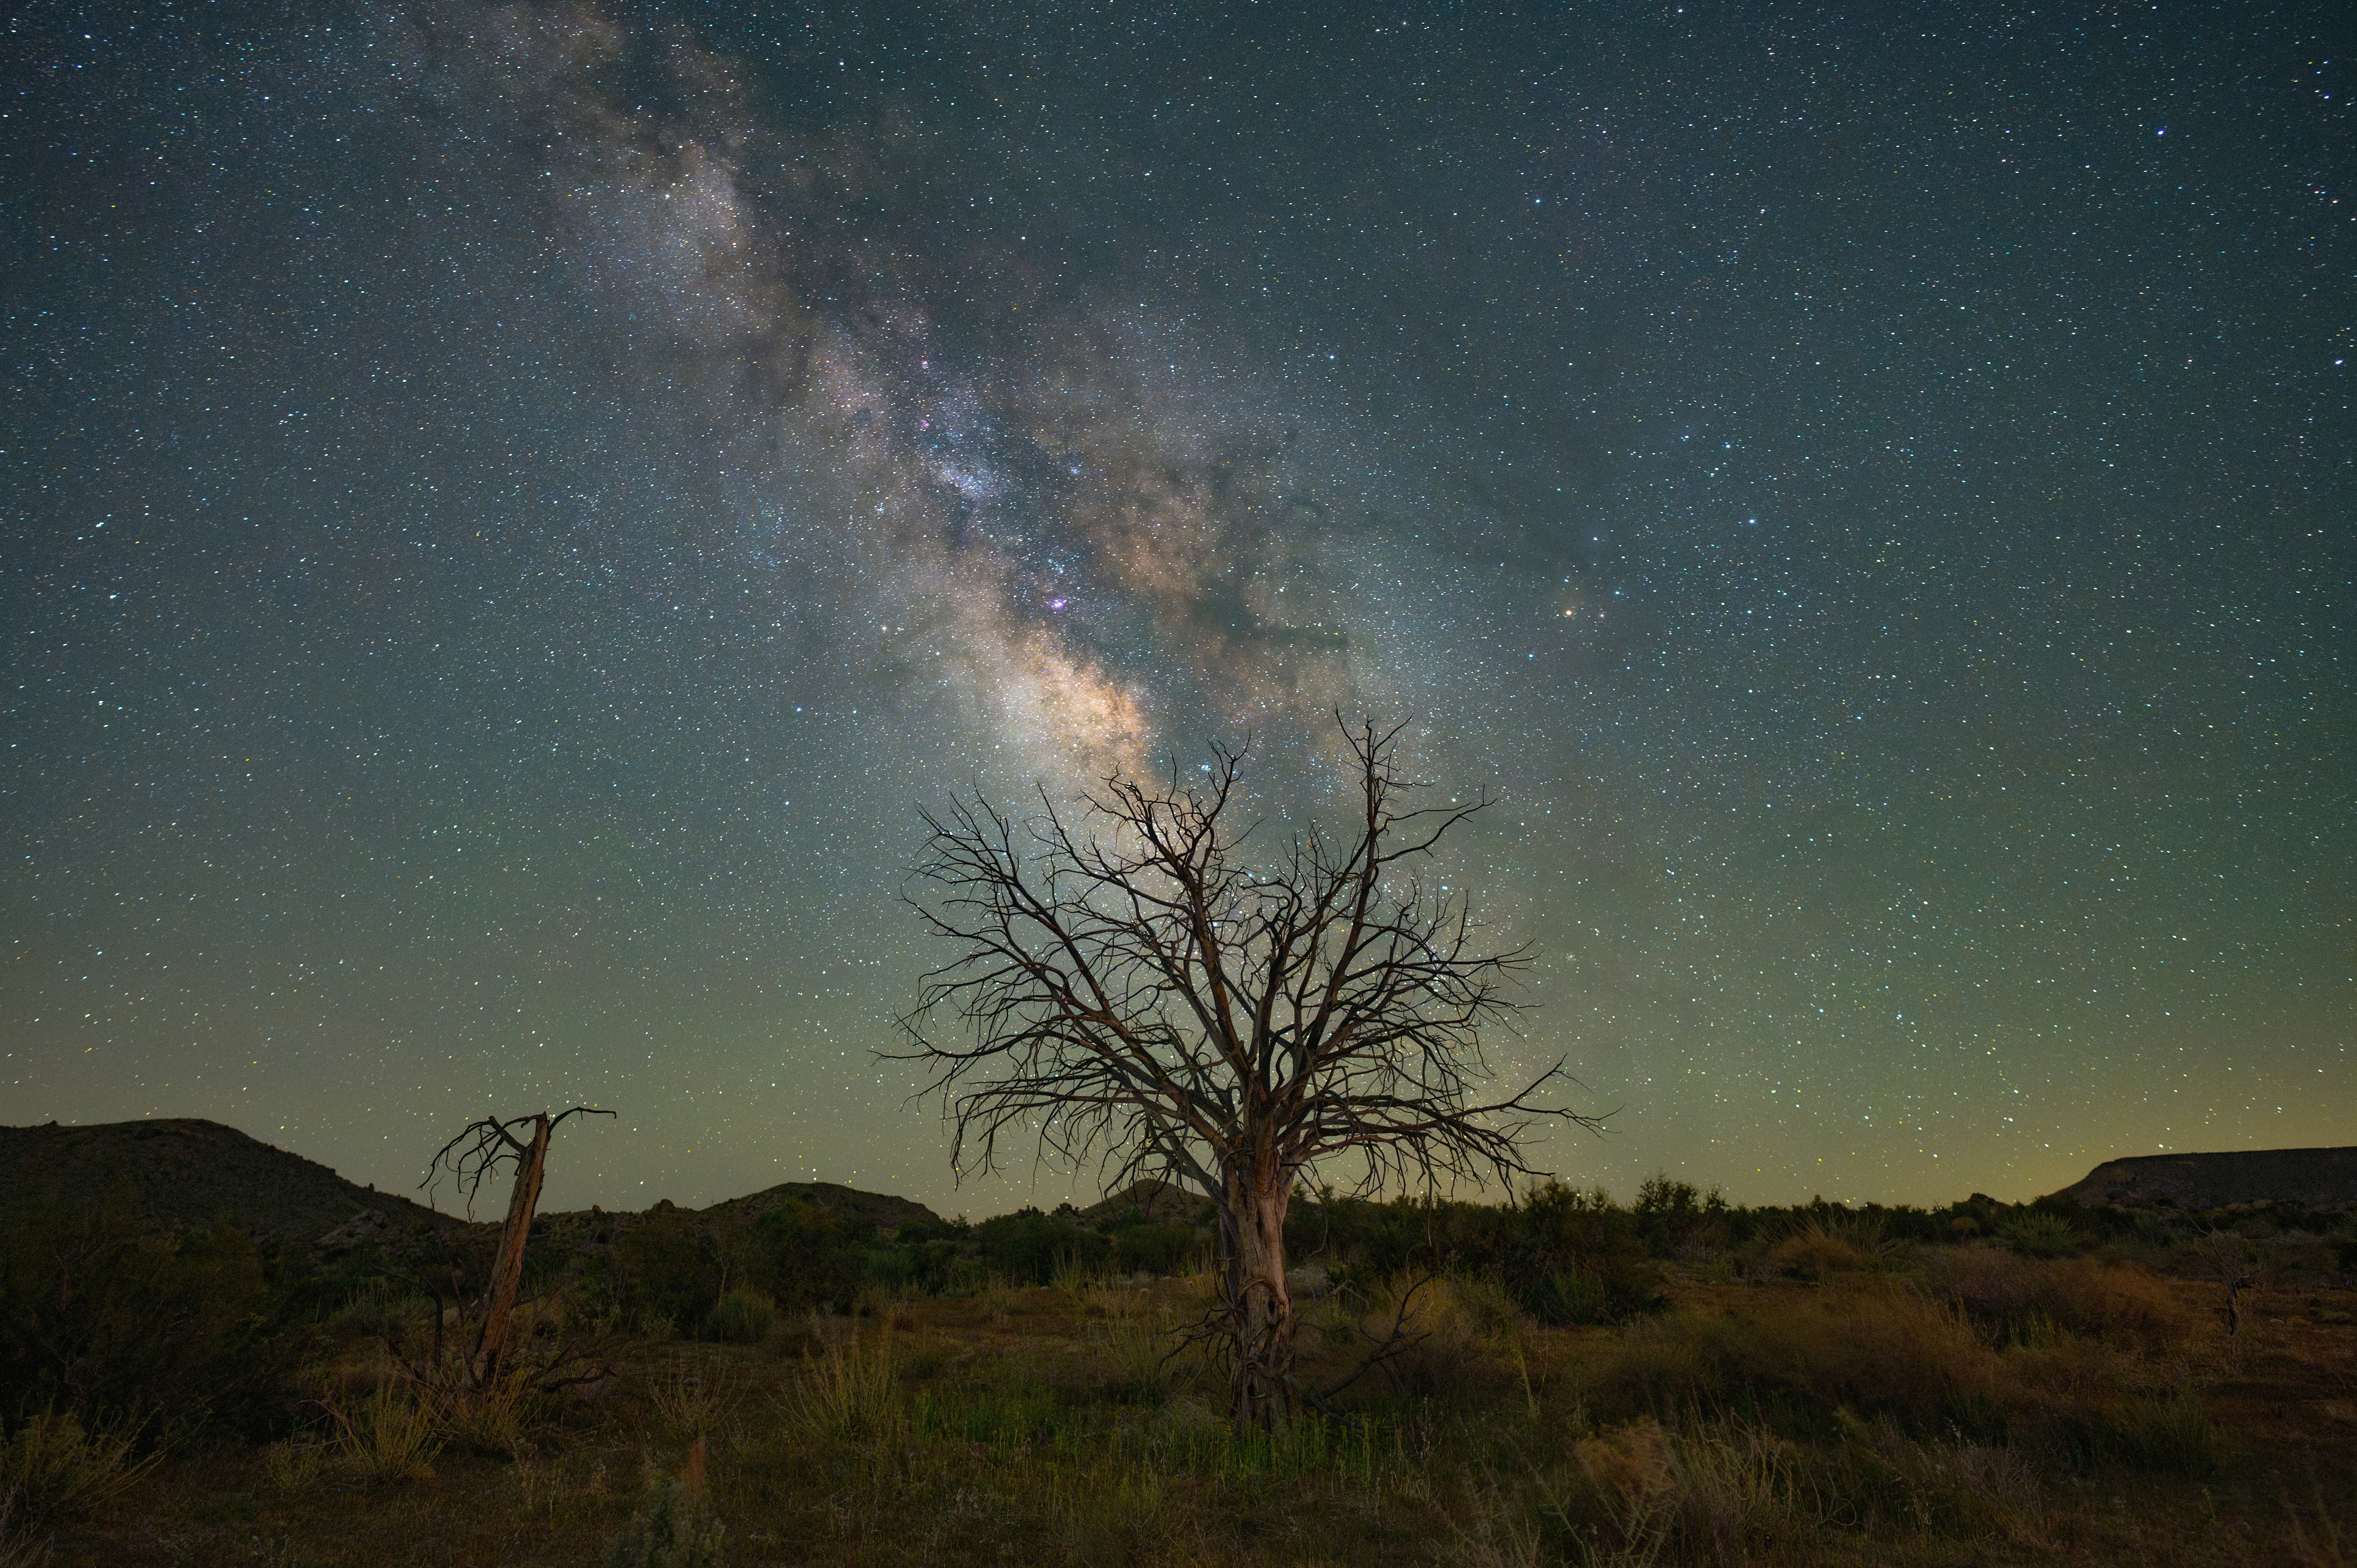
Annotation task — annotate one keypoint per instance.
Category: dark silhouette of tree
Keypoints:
(1126, 988)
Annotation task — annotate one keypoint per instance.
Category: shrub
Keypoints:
(804, 1255)
(492, 1419)
(1570, 1296)
(1142, 1345)
(663, 1270)
(2037, 1233)
(1715, 1491)
(293, 1464)
(99, 1311)
(1812, 1254)
(743, 1317)
(2011, 1295)
(1029, 1247)
(1147, 1249)
(2165, 1434)
(1574, 1257)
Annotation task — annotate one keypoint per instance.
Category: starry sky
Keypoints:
(510, 510)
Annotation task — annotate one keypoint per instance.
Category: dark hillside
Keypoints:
(881, 1210)
(193, 1175)
(2324, 1179)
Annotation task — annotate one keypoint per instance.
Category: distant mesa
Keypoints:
(2314, 1178)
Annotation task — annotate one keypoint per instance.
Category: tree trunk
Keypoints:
(507, 1275)
(1257, 1295)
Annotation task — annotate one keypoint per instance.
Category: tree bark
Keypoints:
(507, 1275)
(1257, 1294)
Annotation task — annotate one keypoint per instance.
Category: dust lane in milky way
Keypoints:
(513, 508)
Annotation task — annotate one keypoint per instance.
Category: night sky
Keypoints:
(510, 510)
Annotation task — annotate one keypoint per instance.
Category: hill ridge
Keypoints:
(2318, 1178)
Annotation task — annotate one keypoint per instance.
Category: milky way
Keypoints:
(512, 509)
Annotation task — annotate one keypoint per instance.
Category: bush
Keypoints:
(663, 1271)
(2012, 1296)
(1147, 1249)
(492, 1419)
(804, 1255)
(99, 1311)
(1030, 1248)
(1574, 1257)
(693, 1398)
(2169, 1434)
(1812, 1254)
(743, 1317)
(2037, 1233)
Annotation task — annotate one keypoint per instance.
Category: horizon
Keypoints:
(424, 1195)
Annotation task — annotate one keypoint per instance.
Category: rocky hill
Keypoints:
(192, 1175)
(880, 1209)
(189, 1175)
(2314, 1178)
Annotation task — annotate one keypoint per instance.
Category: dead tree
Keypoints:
(1124, 986)
(472, 1156)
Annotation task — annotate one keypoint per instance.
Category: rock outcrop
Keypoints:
(2315, 1178)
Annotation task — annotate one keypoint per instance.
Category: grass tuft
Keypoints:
(849, 1393)
(53, 1469)
(393, 1434)
(693, 1398)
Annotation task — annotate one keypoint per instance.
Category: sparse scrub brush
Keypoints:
(1143, 1346)
(1638, 1492)
(1944, 1483)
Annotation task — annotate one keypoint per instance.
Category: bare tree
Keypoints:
(479, 1149)
(1126, 989)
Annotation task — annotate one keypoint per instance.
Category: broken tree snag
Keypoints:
(507, 1274)
(486, 1145)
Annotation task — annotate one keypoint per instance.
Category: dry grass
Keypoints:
(695, 1396)
(394, 1433)
(2116, 1302)
(53, 1469)
(1812, 1254)
(2015, 1411)
(849, 1394)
